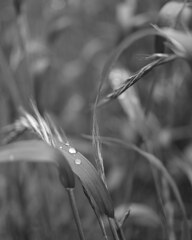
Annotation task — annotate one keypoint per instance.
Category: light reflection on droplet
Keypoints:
(67, 144)
(72, 150)
(60, 147)
(78, 161)
(11, 157)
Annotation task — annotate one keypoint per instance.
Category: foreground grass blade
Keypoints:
(157, 164)
(86, 172)
(97, 214)
(38, 151)
(89, 178)
(113, 228)
(75, 213)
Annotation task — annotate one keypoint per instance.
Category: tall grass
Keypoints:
(128, 184)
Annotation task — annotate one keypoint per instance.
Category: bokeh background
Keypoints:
(56, 50)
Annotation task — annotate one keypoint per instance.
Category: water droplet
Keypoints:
(11, 157)
(60, 147)
(72, 150)
(78, 161)
(67, 144)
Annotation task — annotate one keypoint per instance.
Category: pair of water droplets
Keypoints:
(72, 150)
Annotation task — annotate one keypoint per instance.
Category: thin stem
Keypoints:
(149, 98)
(98, 215)
(101, 224)
(119, 230)
(75, 213)
(20, 21)
(9, 81)
(158, 164)
(113, 228)
(164, 192)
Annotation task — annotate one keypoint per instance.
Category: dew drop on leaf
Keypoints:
(72, 150)
(11, 157)
(78, 161)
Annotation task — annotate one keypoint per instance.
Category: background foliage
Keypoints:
(62, 47)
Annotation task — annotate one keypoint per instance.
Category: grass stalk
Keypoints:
(136, 77)
(75, 213)
(163, 191)
(113, 228)
(9, 81)
(157, 163)
(101, 224)
(119, 230)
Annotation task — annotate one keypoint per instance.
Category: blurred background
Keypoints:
(55, 50)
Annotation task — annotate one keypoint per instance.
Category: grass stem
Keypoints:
(75, 213)
(119, 230)
(113, 228)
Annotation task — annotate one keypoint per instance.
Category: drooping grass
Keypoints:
(92, 180)
(137, 76)
(159, 166)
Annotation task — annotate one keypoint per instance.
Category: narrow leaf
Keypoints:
(38, 151)
(89, 178)
(158, 164)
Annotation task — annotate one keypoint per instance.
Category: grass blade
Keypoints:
(89, 178)
(157, 164)
(113, 228)
(38, 151)
(85, 171)
(75, 213)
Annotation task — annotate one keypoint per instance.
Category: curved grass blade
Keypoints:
(115, 56)
(104, 76)
(157, 163)
(98, 157)
(38, 151)
(89, 178)
(86, 172)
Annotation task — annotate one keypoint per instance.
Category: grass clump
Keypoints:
(134, 181)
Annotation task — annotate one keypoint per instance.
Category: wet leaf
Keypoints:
(86, 172)
(89, 178)
(38, 151)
